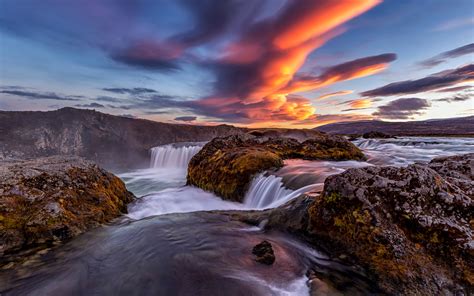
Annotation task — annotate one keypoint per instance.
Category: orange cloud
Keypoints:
(360, 103)
(256, 75)
(335, 94)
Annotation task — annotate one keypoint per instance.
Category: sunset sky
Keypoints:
(288, 63)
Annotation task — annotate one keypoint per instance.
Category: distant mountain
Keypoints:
(450, 126)
(112, 141)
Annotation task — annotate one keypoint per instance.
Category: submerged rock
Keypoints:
(53, 199)
(227, 165)
(376, 135)
(264, 253)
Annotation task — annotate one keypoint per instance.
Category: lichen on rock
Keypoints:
(53, 199)
(227, 165)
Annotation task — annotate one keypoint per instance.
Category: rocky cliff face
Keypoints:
(111, 141)
(53, 199)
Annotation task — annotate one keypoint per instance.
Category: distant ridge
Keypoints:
(442, 127)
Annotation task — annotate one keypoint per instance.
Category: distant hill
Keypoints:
(112, 141)
(450, 126)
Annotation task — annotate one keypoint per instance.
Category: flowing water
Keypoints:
(207, 253)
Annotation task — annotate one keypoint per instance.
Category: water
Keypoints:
(194, 254)
(174, 155)
(408, 150)
(190, 252)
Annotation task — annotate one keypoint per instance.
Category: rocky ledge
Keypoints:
(410, 228)
(227, 165)
(53, 199)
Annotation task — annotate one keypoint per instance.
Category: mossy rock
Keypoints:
(227, 165)
(409, 227)
(53, 199)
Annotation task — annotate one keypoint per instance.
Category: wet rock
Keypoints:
(376, 135)
(412, 227)
(264, 253)
(54, 199)
(227, 165)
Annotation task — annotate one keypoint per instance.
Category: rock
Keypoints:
(227, 165)
(376, 135)
(114, 142)
(264, 253)
(54, 199)
(412, 227)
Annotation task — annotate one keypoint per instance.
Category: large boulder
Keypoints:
(376, 135)
(412, 227)
(227, 165)
(53, 199)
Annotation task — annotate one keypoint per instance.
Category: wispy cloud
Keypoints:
(444, 56)
(404, 108)
(335, 94)
(36, 95)
(433, 82)
(186, 118)
(456, 98)
(91, 105)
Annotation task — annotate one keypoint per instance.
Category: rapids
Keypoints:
(170, 244)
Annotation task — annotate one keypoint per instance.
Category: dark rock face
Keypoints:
(411, 227)
(111, 141)
(227, 165)
(376, 135)
(264, 253)
(54, 199)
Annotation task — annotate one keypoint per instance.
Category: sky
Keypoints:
(257, 63)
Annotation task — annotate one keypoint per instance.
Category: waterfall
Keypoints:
(173, 156)
(269, 192)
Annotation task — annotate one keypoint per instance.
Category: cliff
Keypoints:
(113, 142)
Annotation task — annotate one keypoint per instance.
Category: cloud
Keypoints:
(345, 71)
(456, 98)
(91, 105)
(30, 95)
(131, 91)
(360, 103)
(436, 81)
(453, 89)
(335, 94)
(454, 24)
(152, 55)
(322, 119)
(442, 57)
(128, 115)
(404, 108)
(185, 118)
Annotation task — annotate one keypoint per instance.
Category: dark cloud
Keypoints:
(456, 98)
(128, 115)
(186, 118)
(130, 91)
(453, 89)
(429, 83)
(31, 95)
(404, 108)
(91, 105)
(442, 57)
(108, 99)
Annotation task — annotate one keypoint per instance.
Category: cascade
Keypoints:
(173, 156)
